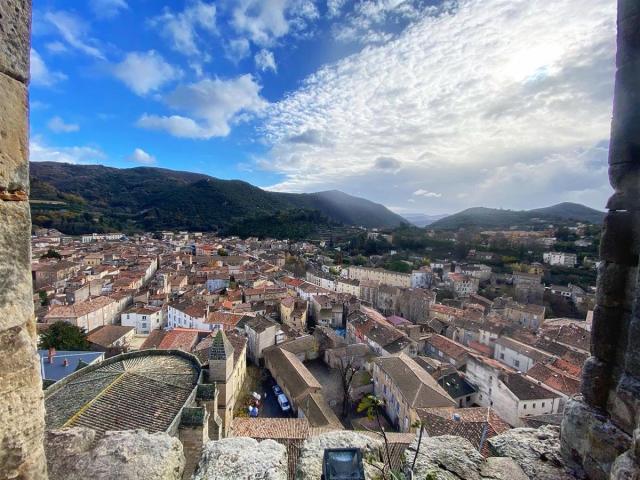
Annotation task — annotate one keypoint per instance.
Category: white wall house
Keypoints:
(562, 259)
(511, 394)
(185, 317)
(143, 319)
(517, 355)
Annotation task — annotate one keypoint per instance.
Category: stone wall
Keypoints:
(21, 407)
(599, 427)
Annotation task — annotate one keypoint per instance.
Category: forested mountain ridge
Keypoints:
(85, 198)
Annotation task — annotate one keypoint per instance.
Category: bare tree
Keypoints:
(347, 371)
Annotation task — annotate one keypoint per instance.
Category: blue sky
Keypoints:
(424, 106)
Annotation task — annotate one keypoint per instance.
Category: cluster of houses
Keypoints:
(487, 364)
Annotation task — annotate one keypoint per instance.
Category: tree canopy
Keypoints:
(64, 336)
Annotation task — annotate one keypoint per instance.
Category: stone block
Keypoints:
(626, 467)
(14, 134)
(632, 351)
(617, 242)
(625, 179)
(624, 403)
(16, 301)
(616, 285)
(15, 31)
(596, 381)
(21, 407)
(628, 8)
(605, 331)
(590, 441)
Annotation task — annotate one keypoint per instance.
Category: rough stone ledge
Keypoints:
(521, 454)
(240, 457)
(76, 454)
(537, 451)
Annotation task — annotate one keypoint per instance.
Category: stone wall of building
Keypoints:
(599, 427)
(21, 407)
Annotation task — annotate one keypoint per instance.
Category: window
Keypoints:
(534, 405)
(542, 404)
(524, 406)
(502, 356)
(516, 363)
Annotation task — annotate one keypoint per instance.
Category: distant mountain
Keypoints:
(422, 219)
(481, 217)
(86, 198)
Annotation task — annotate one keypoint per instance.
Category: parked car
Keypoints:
(277, 390)
(284, 402)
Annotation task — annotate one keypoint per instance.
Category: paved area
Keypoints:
(270, 407)
(331, 383)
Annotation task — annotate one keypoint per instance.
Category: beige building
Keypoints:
(261, 333)
(52, 273)
(293, 313)
(380, 275)
(87, 315)
(227, 369)
(405, 386)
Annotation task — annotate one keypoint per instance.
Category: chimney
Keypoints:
(51, 354)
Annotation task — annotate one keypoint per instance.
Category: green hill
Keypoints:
(485, 218)
(99, 198)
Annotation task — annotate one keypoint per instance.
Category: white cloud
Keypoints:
(56, 47)
(334, 7)
(145, 72)
(265, 21)
(237, 49)
(265, 61)
(215, 104)
(183, 29)
(373, 21)
(465, 98)
(58, 125)
(40, 152)
(40, 73)
(140, 156)
(426, 193)
(74, 31)
(107, 9)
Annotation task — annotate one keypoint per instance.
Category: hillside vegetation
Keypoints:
(481, 217)
(91, 198)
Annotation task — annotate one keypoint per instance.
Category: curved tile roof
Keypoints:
(134, 390)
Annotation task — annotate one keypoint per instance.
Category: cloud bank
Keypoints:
(493, 102)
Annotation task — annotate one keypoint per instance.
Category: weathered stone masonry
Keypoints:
(598, 429)
(21, 404)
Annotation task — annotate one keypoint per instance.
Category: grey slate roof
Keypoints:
(221, 347)
(144, 390)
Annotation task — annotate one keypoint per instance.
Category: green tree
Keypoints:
(51, 253)
(64, 336)
(373, 406)
(44, 300)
